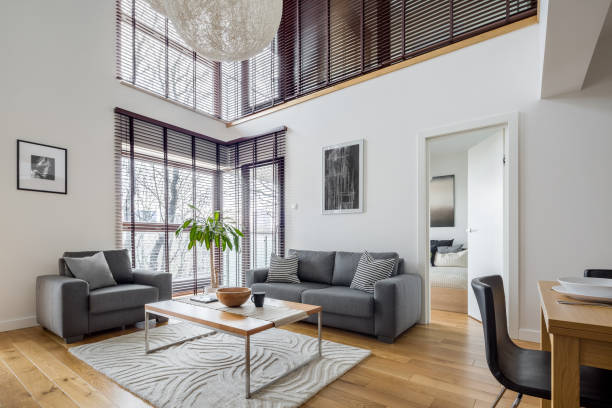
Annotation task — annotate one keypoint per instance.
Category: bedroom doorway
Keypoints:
(465, 215)
(468, 213)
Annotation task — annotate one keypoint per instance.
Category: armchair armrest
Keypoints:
(62, 305)
(397, 305)
(161, 280)
(256, 276)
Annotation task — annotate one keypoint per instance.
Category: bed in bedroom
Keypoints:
(449, 285)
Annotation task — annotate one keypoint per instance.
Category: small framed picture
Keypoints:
(343, 178)
(41, 167)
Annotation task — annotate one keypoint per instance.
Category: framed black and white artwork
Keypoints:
(343, 178)
(442, 201)
(41, 167)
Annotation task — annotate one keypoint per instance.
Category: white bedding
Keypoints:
(448, 277)
(457, 259)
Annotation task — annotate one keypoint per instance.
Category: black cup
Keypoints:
(258, 298)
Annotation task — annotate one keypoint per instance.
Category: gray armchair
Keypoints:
(66, 306)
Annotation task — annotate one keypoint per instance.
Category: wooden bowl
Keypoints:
(233, 297)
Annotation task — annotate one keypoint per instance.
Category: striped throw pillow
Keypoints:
(370, 270)
(283, 270)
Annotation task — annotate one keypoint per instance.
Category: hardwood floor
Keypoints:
(440, 365)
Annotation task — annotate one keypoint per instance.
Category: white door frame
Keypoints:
(509, 121)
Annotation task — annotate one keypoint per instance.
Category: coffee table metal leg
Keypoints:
(247, 366)
(247, 362)
(146, 332)
(319, 332)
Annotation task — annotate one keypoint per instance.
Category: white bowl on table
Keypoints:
(593, 287)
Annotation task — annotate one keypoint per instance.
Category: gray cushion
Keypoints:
(121, 297)
(283, 270)
(450, 249)
(346, 265)
(92, 269)
(341, 300)
(370, 271)
(314, 266)
(286, 291)
(118, 261)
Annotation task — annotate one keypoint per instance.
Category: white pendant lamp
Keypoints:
(223, 30)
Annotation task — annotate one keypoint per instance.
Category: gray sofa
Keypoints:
(66, 306)
(325, 281)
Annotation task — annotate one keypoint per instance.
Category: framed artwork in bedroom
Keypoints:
(442, 201)
(42, 168)
(343, 178)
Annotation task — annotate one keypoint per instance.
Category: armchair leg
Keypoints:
(499, 397)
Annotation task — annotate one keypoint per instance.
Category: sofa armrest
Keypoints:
(397, 305)
(161, 280)
(256, 276)
(62, 305)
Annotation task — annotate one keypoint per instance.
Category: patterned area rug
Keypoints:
(209, 371)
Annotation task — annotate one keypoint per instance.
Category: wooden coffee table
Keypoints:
(229, 323)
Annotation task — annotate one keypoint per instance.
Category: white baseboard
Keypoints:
(529, 335)
(20, 323)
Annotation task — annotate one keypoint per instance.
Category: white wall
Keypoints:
(57, 80)
(455, 164)
(565, 144)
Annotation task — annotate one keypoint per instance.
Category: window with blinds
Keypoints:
(319, 43)
(162, 170)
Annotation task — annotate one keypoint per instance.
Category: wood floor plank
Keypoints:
(439, 365)
(42, 389)
(12, 392)
(67, 380)
(114, 392)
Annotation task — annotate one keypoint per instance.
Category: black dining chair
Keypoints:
(598, 273)
(525, 371)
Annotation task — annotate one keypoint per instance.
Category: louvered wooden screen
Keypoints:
(319, 43)
(162, 170)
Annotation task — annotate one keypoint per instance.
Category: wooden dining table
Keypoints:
(575, 335)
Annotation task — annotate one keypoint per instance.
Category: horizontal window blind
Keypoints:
(254, 194)
(319, 43)
(162, 170)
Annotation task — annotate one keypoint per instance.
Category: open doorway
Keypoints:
(468, 213)
(465, 215)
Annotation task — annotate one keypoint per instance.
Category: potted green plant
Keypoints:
(213, 232)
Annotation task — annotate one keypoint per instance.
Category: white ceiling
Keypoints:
(570, 32)
(459, 142)
(601, 63)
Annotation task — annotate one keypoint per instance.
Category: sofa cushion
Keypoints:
(314, 266)
(286, 291)
(121, 297)
(118, 261)
(370, 271)
(283, 270)
(92, 269)
(346, 264)
(120, 265)
(341, 300)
